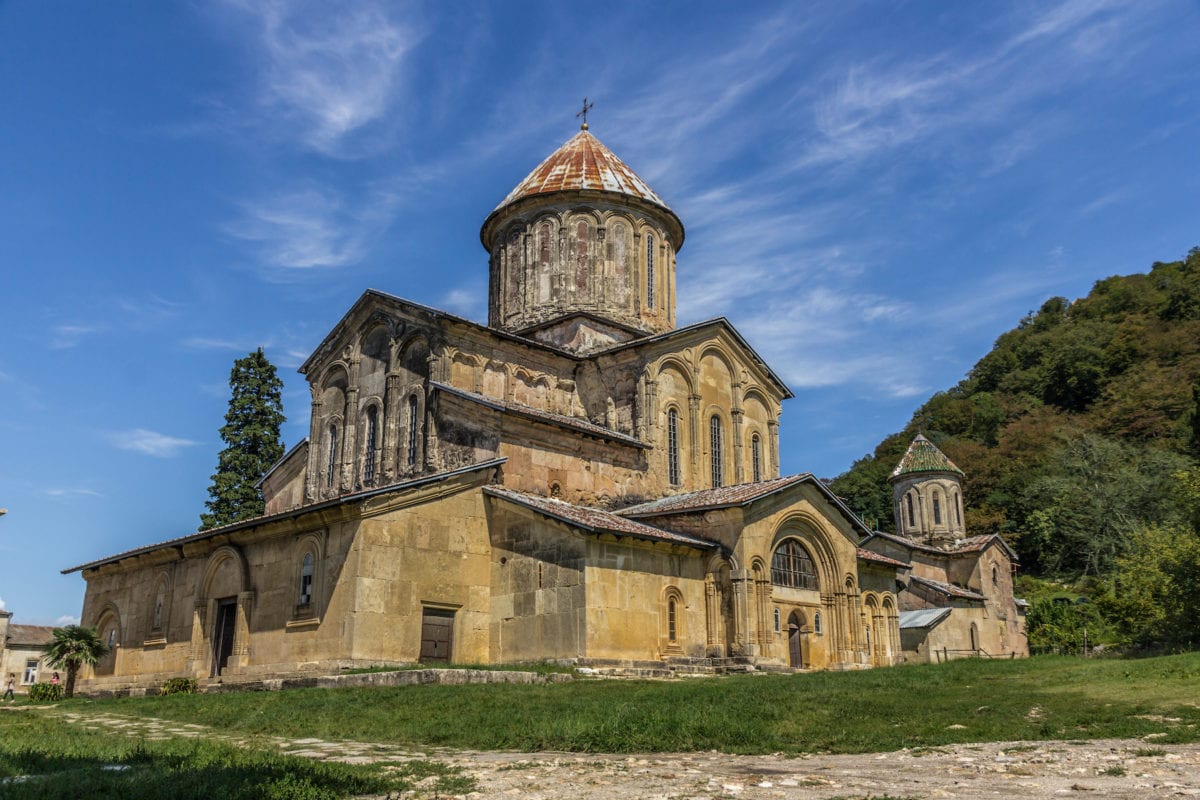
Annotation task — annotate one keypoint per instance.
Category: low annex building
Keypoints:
(22, 652)
(577, 480)
(958, 601)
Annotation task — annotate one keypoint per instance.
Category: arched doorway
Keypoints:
(797, 646)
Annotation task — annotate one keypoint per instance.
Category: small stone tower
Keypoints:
(927, 492)
(582, 252)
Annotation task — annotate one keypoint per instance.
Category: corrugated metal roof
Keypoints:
(923, 618)
(583, 162)
(923, 456)
(596, 520)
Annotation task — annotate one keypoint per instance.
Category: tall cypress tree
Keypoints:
(251, 433)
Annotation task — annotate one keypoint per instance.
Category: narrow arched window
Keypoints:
(958, 507)
(369, 456)
(756, 457)
(792, 567)
(937, 509)
(716, 438)
(673, 447)
(158, 607)
(581, 256)
(912, 519)
(868, 632)
(306, 580)
(995, 575)
(112, 637)
(650, 270)
(331, 461)
(817, 622)
(412, 430)
(671, 620)
(777, 624)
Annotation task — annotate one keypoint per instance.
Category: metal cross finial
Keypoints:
(586, 107)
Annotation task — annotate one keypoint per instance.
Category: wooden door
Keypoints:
(795, 641)
(437, 634)
(223, 632)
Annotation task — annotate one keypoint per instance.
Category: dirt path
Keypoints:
(1030, 770)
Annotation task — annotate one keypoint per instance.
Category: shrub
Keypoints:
(179, 686)
(46, 692)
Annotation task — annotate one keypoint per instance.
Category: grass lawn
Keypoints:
(1047, 697)
(45, 758)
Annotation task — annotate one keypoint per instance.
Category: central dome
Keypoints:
(582, 237)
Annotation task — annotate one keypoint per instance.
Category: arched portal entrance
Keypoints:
(797, 644)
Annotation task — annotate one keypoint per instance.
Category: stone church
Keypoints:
(578, 480)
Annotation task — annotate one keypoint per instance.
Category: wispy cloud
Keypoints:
(67, 619)
(313, 227)
(63, 337)
(71, 491)
(3, 605)
(327, 74)
(211, 343)
(150, 443)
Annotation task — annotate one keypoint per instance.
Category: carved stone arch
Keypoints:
(310, 543)
(720, 617)
(225, 581)
(158, 622)
(719, 351)
(332, 372)
(591, 215)
(672, 625)
(376, 330)
(110, 628)
(613, 215)
(685, 370)
(816, 540)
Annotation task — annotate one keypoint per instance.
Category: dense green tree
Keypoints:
(1069, 428)
(1092, 493)
(1156, 587)
(71, 648)
(253, 443)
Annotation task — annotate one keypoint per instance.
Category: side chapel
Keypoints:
(578, 480)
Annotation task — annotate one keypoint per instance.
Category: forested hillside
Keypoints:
(1079, 432)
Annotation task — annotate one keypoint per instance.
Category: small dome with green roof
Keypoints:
(923, 456)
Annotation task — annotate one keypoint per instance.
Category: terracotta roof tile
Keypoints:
(923, 456)
(294, 512)
(595, 519)
(583, 162)
(549, 417)
(948, 589)
(29, 635)
(867, 555)
(723, 497)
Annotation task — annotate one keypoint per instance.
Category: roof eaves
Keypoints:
(295, 512)
(544, 417)
(258, 483)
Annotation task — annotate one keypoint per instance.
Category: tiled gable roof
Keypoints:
(29, 635)
(923, 456)
(594, 519)
(294, 512)
(548, 417)
(724, 497)
(948, 589)
(867, 555)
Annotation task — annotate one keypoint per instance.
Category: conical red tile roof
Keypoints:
(583, 162)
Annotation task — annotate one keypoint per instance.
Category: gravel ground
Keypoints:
(1112, 768)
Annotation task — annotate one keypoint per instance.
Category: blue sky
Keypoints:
(872, 193)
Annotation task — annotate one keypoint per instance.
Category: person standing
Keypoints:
(8, 690)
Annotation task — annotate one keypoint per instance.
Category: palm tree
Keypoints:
(72, 647)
